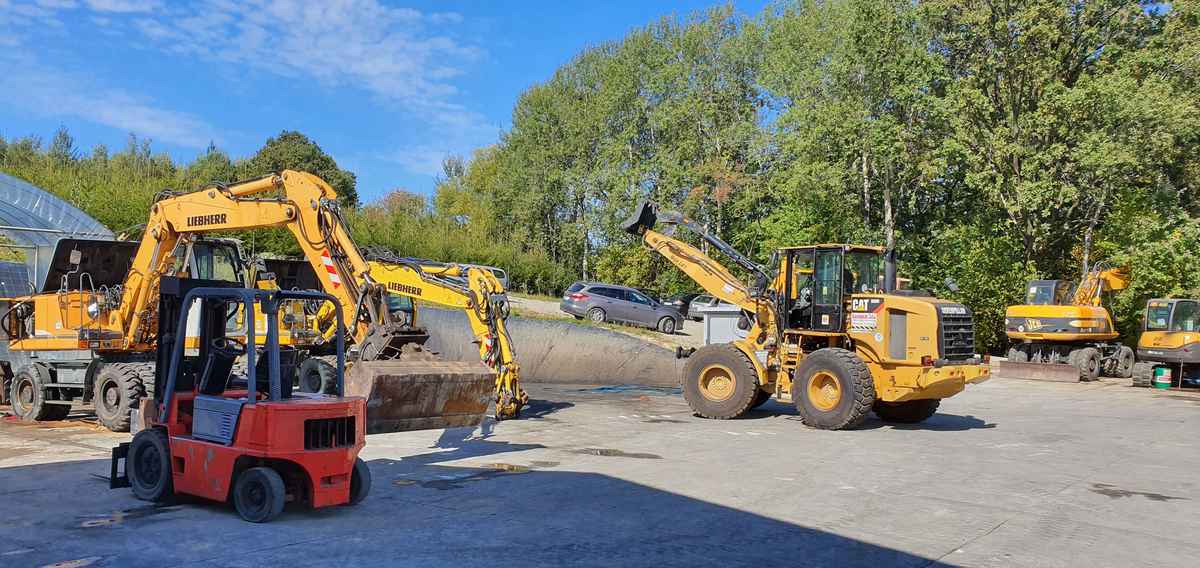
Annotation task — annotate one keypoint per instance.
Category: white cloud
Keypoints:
(33, 86)
(124, 6)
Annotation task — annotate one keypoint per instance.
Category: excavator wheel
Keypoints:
(1087, 360)
(1125, 362)
(319, 375)
(1017, 355)
(29, 396)
(719, 382)
(1143, 374)
(908, 412)
(833, 390)
(119, 387)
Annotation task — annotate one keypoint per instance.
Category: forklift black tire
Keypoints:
(28, 396)
(719, 382)
(259, 494)
(118, 388)
(360, 482)
(148, 465)
(1143, 374)
(833, 389)
(908, 412)
(318, 376)
(760, 398)
(1087, 360)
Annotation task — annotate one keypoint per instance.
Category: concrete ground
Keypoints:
(1010, 473)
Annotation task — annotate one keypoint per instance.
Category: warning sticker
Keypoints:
(863, 322)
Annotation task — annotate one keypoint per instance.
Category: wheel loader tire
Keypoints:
(1125, 362)
(118, 388)
(1087, 360)
(1017, 355)
(259, 494)
(908, 412)
(667, 326)
(597, 315)
(148, 465)
(760, 398)
(719, 382)
(833, 389)
(360, 481)
(29, 396)
(1143, 374)
(318, 375)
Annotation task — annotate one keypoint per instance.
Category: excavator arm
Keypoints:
(481, 296)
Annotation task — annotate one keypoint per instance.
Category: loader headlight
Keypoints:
(93, 309)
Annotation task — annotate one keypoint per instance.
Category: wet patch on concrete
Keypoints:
(118, 518)
(664, 421)
(611, 453)
(1114, 492)
(489, 471)
(77, 563)
(636, 390)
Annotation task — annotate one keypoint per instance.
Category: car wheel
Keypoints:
(667, 325)
(597, 315)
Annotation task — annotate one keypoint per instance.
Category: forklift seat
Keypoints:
(214, 377)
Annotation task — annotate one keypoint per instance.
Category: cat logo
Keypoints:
(404, 289)
(202, 220)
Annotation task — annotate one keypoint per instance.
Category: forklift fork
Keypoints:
(119, 453)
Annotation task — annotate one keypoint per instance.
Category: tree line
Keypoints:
(989, 142)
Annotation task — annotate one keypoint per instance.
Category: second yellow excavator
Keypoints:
(1064, 333)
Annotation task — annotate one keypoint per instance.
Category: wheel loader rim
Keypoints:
(717, 382)
(24, 399)
(824, 390)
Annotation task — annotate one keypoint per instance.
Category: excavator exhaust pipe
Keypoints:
(421, 395)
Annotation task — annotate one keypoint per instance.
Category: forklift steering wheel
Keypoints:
(228, 346)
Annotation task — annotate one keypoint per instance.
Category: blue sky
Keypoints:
(387, 88)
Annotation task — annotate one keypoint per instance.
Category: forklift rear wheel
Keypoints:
(259, 494)
(148, 465)
(360, 481)
(833, 390)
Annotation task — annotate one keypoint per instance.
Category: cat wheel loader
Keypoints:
(406, 386)
(1170, 341)
(1066, 334)
(825, 329)
(252, 442)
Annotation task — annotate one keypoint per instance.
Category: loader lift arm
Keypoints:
(482, 298)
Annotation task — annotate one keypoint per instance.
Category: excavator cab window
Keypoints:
(1048, 293)
(1158, 315)
(1185, 316)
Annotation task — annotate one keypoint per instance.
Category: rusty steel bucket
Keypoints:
(1036, 371)
(421, 395)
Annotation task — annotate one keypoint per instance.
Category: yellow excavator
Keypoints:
(1065, 333)
(475, 291)
(825, 327)
(407, 387)
(1170, 341)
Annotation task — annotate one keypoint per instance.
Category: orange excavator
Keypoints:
(407, 386)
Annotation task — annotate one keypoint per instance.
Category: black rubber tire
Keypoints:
(597, 315)
(148, 465)
(855, 382)
(360, 482)
(745, 381)
(667, 326)
(259, 494)
(1087, 360)
(1143, 374)
(1125, 362)
(1017, 355)
(118, 388)
(760, 398)
(28, 396)
(318, 375)
(908, 412)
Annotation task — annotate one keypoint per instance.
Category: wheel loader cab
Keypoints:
(820, 280)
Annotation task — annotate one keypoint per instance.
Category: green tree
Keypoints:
(292, 150)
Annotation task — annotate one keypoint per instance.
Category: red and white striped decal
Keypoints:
(331, 269)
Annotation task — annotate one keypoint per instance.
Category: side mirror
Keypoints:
(952, 285)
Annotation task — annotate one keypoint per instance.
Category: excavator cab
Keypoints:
(1048, 293)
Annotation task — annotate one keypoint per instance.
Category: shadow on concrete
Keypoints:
(419, 513)
(940, 422)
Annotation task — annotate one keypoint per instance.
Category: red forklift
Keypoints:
(211, 433)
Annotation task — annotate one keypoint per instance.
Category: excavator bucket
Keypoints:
(643, 218)
(421, 395)
(1037, 371)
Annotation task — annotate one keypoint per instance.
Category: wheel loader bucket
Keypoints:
(643, 218)
(1037, 371)
(421, 395)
